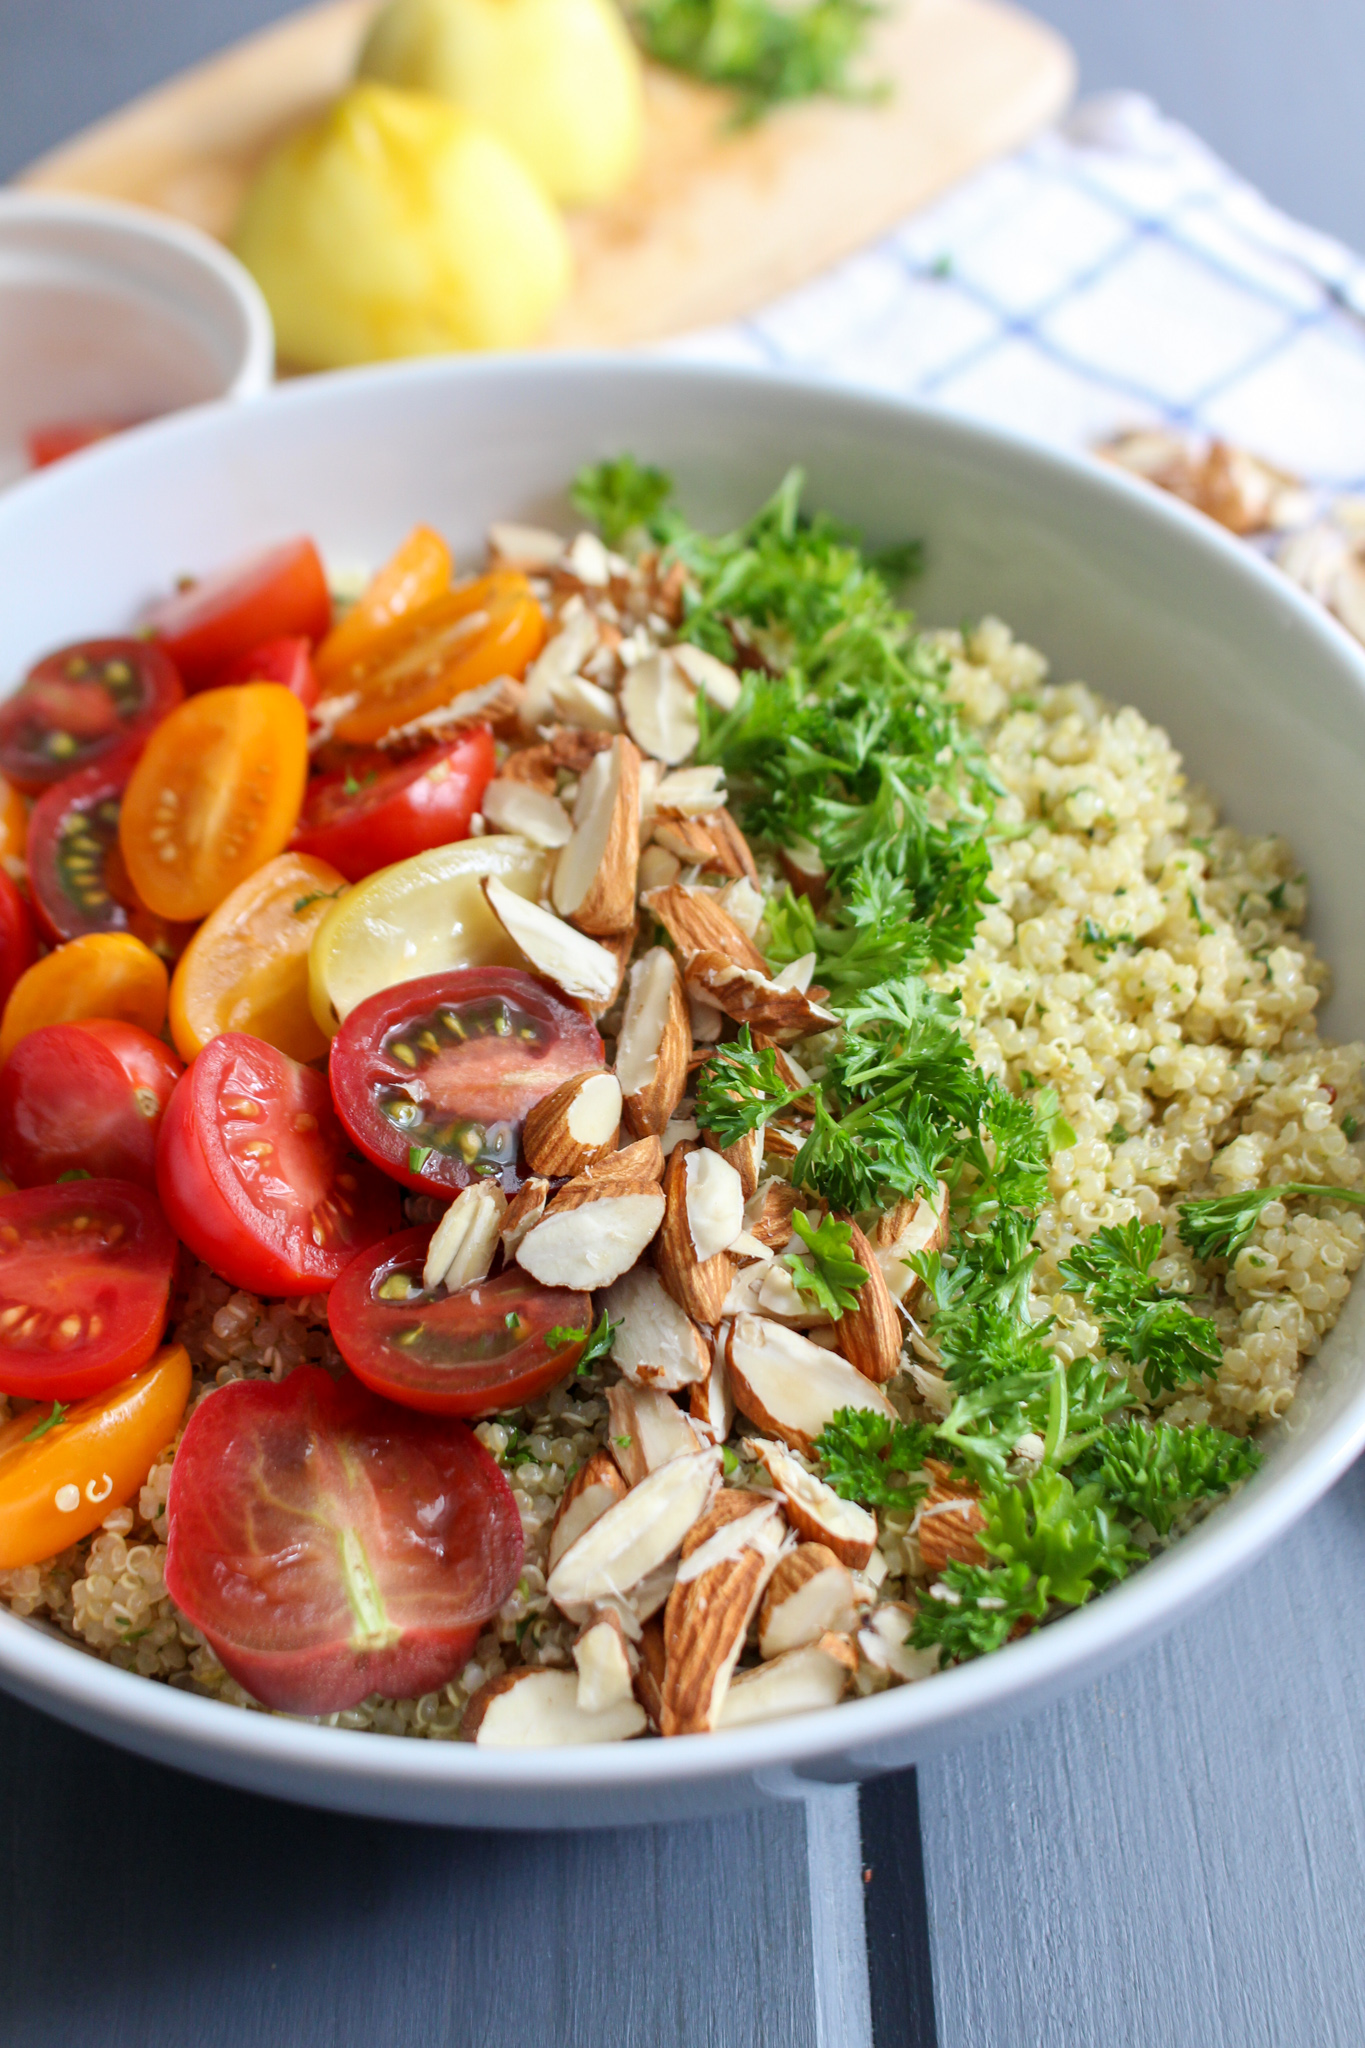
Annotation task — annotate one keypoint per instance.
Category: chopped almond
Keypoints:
(655, 1343)
(949, 1521)
(698, 1286)
(464, 1241)
(653, 1043)
(753, 997)
(576, 964)
(595, 1487)
(810, 1594)
(791, 1387)
(637, 1535)
(798, 1682)
(534, 1708)
(696, 923)
(647, 1430)
(869, 1336)
(594, 1242)
(815, 1510)
(594, 878)
(575, 1126)
(727, 1558)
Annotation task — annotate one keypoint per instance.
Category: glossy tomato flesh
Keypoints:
(18, 940)
(276, 595)
(256, 1174)
(474, 1352)
(79, 704)
(360, 825)
(85, 1276)
(433, 1078)
(85, 1097)
(330, 1545)
(288, 661)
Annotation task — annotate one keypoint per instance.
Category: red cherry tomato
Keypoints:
(362, 825)
(76, 872)
(85, 1097)
(79, 704)
(287, 661)
(85, 1276)
(67, 437)
(329, 1545)
(433, 1078)
(282, 592)
(256, 1174)
(475, 1352)
(18, 940)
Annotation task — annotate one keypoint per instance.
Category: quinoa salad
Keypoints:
(628, 1143)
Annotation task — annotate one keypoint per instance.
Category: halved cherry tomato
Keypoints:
(491, 627)
(85, 1098)
(108, 974)
(63, 1470)
(18, 940)
(280, 593)
(85, 1276)
(329, 1545)
(214, 796)
(475, 1352)
(76, 870)
(287, 661)
(246, 968)
(420, 571)
(80, 703)
(433, 1078)
(13, 823)
(67, 437)
(256, 1174)
(427, 802)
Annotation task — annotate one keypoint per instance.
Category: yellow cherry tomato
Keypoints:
(419, 571)
(59, 1479)
(246, 968)
(214, 796)
(105, 974)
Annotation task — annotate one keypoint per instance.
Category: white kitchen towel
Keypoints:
(1112, 274)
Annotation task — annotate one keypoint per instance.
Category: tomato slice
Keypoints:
(419, 572)
(279, 594)
(433, 1078)
(214, 796)
(79, 704)
(63, 1471)
(330, 1545)
(18, 940)
(84, 1098)
(107, 974)
(484, 629)
(85, 1276)
(475, 1352)
(13, 823)
(246, 968)
(288, 661)
(77, 876)
(256, 1174)
(429, 801)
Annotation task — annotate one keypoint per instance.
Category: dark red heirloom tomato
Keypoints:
(330, 1545)
(433, 1078)
(85, 1276)
(257, 1176)
(76, 872)
(79, 704)
(475, 1352)
(281, 593)
(18, 940)
(429, 801)
(85, 1097)
(288, 661)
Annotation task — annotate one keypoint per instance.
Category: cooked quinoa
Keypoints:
(1140, 959)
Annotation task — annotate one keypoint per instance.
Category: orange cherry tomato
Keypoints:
(13, 824)
(420, 571)
(491, 627)
(214, 796)
(59, 1479)
(106, 974)
(246, 968)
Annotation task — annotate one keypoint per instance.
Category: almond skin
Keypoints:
(698, 1287)
(653, 1070)
(949, 1521)
(633, 1170)
(815, 1510)
(809, 1595)
(595, 1486)
(552, 1145)
(605, 842)
(751, 996)
(708, 1616)
(869, 1336)
(523, 1212)
(696, 924)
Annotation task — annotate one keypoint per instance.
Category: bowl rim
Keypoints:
(858, 1736)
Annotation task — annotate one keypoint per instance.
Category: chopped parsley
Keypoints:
(829, 1275)
(869, 1459)
(764, 52)
(1156, 1471)
(739, 1089)
(418, 1156)
(48, 1422)
(1218, 1227)
(1148, 1325)
(1101, 942)
(597, 1344)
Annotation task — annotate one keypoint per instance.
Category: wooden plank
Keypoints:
(718, 221)
(897, 1919)
(1176, 1855)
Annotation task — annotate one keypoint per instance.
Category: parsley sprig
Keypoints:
(1156, 1472)
(739, 1089)
(763, 52)
(598, 1343)
(1148, 1325)
(870, 1459)
(829, 1275)
(1219, 1227)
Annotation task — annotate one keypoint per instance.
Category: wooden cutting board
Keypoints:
(718, 222)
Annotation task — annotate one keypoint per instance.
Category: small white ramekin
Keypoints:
(112, 312)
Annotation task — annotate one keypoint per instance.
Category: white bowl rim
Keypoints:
(847, 1737)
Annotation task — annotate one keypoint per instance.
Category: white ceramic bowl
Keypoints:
(113, 312)
(1147, 601)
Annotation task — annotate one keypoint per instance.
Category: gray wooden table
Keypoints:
(1174, 1858)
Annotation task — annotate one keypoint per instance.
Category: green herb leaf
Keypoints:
(418, 1156)
(831, 1277)
(862, 1452)
(1140, 1321)
(48, 1422)
(598, 1341)
(1155, 1471)
(739, 1089)
(1218, 1227)
(621, 497)
(1063, 1535)
(973, 1609)
(75, 1173)
(765, 52)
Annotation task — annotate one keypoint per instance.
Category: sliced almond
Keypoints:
(533, 768)
(653, 1043)
(636, 1536)
(575, 1126)
(698, 1286)
(577, 965)
(883, 1641)
(606, 1665)
(798, 1682)
(594, 878)
(635, 1169)
(594, 1242)
(727, 1558)
(513, 546)
(649, 1672)
(658, 868)
(620, 945)
(745, 1156)
(595, 1487)
(522, 1213)
(512, 805)
(687, 793)
(655, 1343)
(647, 1430)
(697, 923)
(710, 1404)
(914, 1225)
(805, 872)
(791, 1387)
(585, 704)
(869, 1336)
(752, 997)
(679, 1130)
(706, 1022)
(743, 905)
(815, 1510)
(715, 679)
(811, 1593)
(464, 1241)
(713, 1197)
(660, 708)
(768, 1213)
(797, 974)
(560, 658)
(538, 1709)
(949, 1520)
(771, 1290)
(713, 842)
